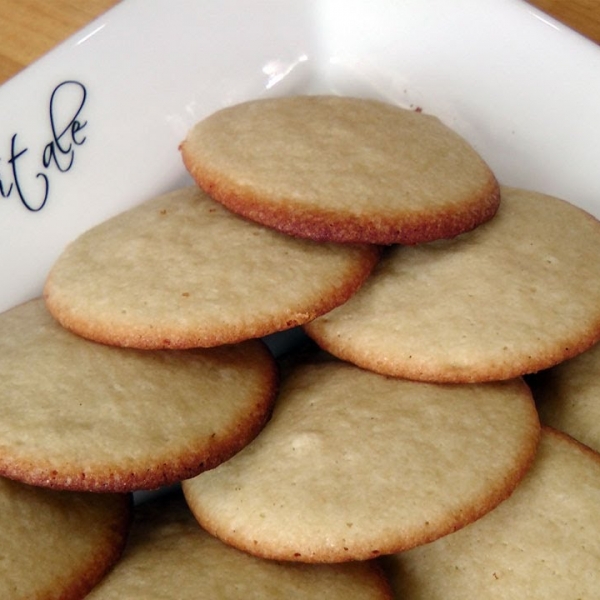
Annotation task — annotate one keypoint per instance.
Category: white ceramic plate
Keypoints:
(94, 127)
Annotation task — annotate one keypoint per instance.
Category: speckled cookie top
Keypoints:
(181, 271)
(516, 295)
(341, 169)
(80, 415)
(354, 464)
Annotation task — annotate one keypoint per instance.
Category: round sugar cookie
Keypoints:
(354, 465)
(516, 295)
(170, 556)
(56, 544)
(341, 169)
(83, 416)
(568, 396)
(543, 542)
(181, 271)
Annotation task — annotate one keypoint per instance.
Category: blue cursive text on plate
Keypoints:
(25, 174)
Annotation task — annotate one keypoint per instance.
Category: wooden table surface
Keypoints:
(30, 28)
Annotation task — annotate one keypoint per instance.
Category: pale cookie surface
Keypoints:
(181, 271)
(84, 416)
(518, 294)
(57, 544)
(169, 556)
(353, 465)
(568, 397)
(543, 542)
(341, 169)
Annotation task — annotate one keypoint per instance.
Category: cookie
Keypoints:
(341, 169)
(543, 542)
(568, 396)
(354, 465)
(181, 271)
(58, 544)
(516, 295)
(169, 555)
(83, 416)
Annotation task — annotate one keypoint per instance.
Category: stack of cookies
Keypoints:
(393, 449)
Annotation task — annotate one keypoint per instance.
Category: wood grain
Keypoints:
(30, 28)
(581, 15)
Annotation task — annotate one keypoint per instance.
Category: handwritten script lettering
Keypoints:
(26, 172)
